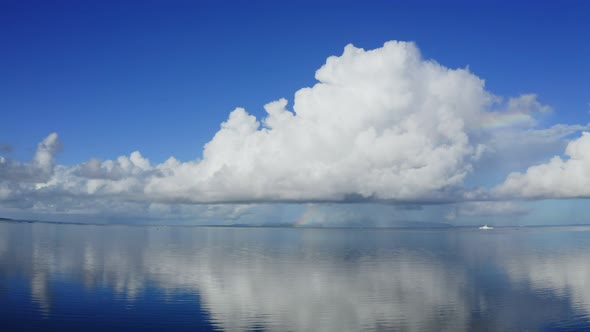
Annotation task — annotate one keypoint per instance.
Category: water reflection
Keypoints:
(305, 280)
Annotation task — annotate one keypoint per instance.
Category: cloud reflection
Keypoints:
(304, 280)
(556, 275)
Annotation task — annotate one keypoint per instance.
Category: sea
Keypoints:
(72, 277)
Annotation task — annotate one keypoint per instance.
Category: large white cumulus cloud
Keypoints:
(380, 124)
(558, 178)
(383, 124)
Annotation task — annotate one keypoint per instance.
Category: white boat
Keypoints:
(485, 227)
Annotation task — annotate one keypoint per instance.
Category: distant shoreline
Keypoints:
(284, 226)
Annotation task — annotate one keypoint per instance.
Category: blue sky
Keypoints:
(160, 77)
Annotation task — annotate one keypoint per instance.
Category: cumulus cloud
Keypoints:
(383, 124)
(379, 125)
(39, 169)
(508, 150)
(567, 177)
(113, 169)
(527, 103)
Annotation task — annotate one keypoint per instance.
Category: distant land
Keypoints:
(357, 225)
(402, 225)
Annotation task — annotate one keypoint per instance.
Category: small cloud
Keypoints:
(557, 178)
(39, 169)
(527, 103)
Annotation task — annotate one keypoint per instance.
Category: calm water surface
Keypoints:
(76, 277)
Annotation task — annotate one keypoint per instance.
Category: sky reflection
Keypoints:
(239, 279)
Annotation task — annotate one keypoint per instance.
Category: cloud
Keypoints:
(383, 124)
(39, 169)
(527, 103)
(558, 178)
(508, 150)
(379, 125)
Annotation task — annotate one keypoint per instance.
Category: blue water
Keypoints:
(122, 278)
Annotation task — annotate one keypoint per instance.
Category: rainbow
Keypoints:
(499, 120)
(308, 217)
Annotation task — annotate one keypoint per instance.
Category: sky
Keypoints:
(380, 113)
